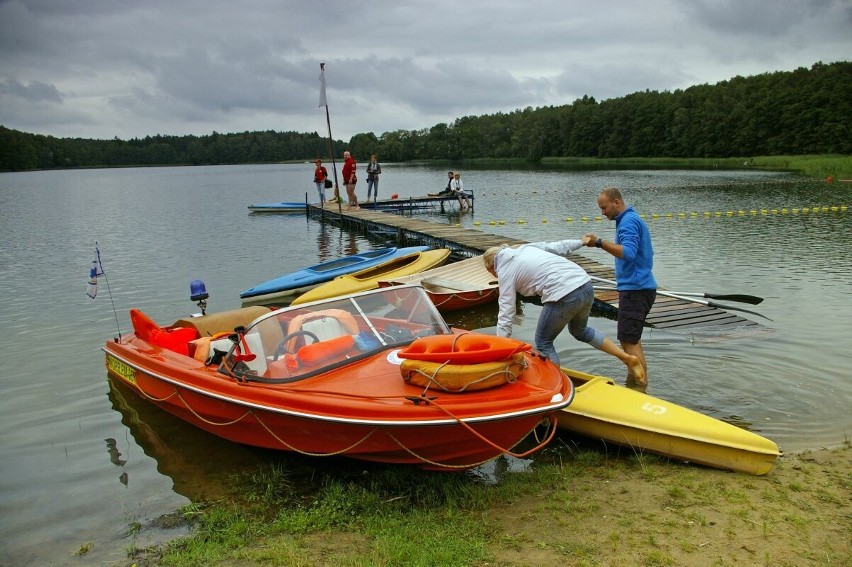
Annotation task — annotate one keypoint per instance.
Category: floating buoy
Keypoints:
(543, 221)
(569, 219)
(476, 223)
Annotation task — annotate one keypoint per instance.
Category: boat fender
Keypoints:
(459, 378)
(466, 348)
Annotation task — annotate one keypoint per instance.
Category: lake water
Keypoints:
(82, 463)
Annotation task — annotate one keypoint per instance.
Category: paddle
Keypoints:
(693, 300)
(739, 298)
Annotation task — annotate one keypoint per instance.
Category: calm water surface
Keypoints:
(82, 461)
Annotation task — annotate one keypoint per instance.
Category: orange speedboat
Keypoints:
(331, 378)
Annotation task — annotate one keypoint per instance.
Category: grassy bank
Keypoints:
(575, 506)
(818, 166)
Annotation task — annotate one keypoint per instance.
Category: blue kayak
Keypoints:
(284, 207)
(283, 289)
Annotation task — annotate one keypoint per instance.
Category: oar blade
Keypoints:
(732, 308)
(738, 297)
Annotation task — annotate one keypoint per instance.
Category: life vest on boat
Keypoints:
(174, 339)
(463, 377)
(467, 348)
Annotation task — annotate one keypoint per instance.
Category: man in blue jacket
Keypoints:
(634, 260)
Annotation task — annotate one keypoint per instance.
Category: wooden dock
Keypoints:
(667, 313)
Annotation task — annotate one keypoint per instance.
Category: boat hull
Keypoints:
(386, 422)
(368, 279)
(604, 410)
(284, 207)
(451, 287)
(284, 289)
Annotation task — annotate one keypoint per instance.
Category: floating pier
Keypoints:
(667, 313)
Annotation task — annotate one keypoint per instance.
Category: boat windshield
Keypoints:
(304, 340)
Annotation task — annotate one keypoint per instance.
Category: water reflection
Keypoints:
(787, 381)
(198, 463)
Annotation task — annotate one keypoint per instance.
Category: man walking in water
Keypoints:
(634, 260)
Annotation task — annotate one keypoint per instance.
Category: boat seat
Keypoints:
(255, 347)
(327, 324)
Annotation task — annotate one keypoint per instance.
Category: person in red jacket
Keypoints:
(350, 179)
(320, 175)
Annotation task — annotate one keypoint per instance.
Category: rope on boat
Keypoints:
(310, 454)
(552, 427)
(458, 296)
(550, 419)
(207, 421)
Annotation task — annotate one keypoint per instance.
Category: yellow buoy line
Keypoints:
(814, 210)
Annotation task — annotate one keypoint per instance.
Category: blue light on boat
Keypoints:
(197, 290)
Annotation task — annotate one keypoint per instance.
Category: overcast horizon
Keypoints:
(99, 69)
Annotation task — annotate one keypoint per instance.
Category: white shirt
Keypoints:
(536, 269)
(456, 185)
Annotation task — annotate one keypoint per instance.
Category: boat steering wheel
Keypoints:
(282, 346)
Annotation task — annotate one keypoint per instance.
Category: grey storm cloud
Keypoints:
(99, 68)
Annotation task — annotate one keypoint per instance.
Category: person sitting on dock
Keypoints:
(566, 292)
(457, 189)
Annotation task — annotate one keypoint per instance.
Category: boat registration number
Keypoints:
(122, 369)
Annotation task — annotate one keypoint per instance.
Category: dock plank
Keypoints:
(667, 313)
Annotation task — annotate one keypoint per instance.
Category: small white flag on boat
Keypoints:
(95, 271)
(323, 101)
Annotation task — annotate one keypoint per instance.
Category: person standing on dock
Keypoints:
(320, 175)
(566, 292)
(634, 261)
(350, 179)
(374, 169)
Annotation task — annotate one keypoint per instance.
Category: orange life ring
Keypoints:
(467, 348)
(463, 377)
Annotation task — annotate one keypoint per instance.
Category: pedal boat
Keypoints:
(327, 378)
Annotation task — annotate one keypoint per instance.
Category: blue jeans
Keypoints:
(571, 311)
(371, 183)
(321, 190)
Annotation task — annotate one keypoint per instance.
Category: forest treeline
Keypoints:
(805, 111)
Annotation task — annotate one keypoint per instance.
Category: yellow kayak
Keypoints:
(604, 410)
(369, 278)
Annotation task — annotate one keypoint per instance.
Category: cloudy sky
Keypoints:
(133, 68)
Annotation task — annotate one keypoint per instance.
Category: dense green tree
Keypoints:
(805, 111)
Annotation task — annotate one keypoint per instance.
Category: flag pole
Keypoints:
(323, 101)
(95, 272)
